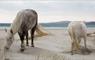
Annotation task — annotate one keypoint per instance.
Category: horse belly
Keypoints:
(80, 32)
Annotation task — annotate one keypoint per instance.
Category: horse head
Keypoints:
(9, 38)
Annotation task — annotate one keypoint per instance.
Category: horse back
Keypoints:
(78, 28)
(29, 19)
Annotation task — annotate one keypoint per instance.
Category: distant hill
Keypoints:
(90, 24)
(56, 24)
(64, 24)
(5, 24)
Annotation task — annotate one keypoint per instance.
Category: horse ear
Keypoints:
(6, 30)
(11, 31)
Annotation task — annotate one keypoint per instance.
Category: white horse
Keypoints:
(77, 30)
(25, 20)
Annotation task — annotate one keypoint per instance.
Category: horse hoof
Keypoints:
(22, 50)
(27, 45)
(89, 51)
(32, 46)
(72, 54)
(6, 59)
(86, 51)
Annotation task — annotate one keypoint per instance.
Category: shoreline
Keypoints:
(50, 28)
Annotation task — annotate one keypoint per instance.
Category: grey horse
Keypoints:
(25, 20)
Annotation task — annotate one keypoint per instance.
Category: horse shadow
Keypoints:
(37, 51)
(82, 51)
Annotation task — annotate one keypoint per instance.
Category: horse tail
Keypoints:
(38, 28)
(40, 31)
(72, 33)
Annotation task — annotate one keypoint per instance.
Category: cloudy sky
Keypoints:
(49, 10)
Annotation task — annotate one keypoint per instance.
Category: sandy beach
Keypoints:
(55, 46)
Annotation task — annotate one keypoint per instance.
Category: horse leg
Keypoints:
(75, 45)
(86, 50)
(78, 43)
(22, 45)
(27, 44)
(79, 40)
(32, 36)
(85, 43)
(72, 44)
(72, 48)
(22, 41)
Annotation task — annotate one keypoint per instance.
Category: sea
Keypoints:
(7, 26)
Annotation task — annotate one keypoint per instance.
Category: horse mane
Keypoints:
(16, 23)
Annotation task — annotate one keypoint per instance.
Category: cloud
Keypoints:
(49, 10)
(47, 5)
